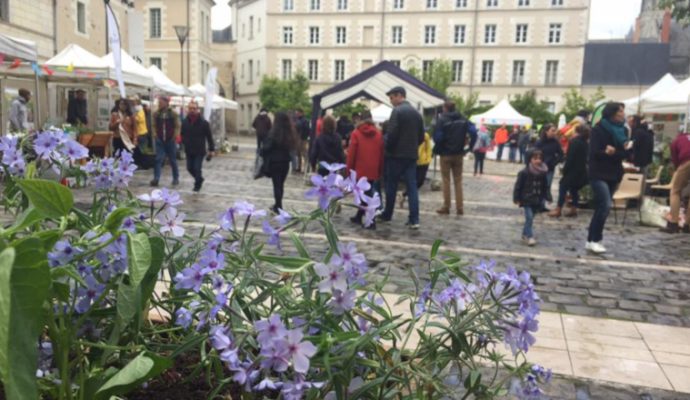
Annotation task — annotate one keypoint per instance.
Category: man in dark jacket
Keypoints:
(404, 134)
(643, 143)
(303, 131)
(166, 128)
(196, 133)
(76, 109)
(262, 125)
(453, 135)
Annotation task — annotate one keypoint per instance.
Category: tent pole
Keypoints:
(37, 116)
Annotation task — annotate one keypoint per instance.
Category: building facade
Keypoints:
(658, 26)
(496, 48)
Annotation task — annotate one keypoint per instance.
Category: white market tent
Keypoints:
(133, 73)
(381, 113)
(74, 56)
(198, 92)
(13, 47)
(666, 84)
(165, 84)
(673, 101)
(501, 113)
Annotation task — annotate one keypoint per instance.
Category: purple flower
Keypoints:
(212, 261)
(358, 187)
(243, 208)
(62, 253)
(45, 144)
(529, 388)
(332, 168)
(227, 220)
(74, 150)
(151, 198)
(420, 306)
(9, 143)
(273, 234)
(268, 384)
(274, 357)
(89, 294)
(283, 217)
(354, 263)
(298, 351)
(190, 278)
(324, 190)
(171, 222)
(221, 339)
(342, 301)
(332, 278)
(171, 198)
(372, 205)
(183, 317)
(518, 335)
(269, 329)
(294, 390)
(244, 374)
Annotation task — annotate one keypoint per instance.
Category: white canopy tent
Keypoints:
(666, 84)
(13, 47)
(133, 73)
(501, 113)
(673, 101)
(162, 82)
(74, 56)
(198, 92)
(381, 113)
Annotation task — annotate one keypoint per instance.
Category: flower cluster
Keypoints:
(334, 186)
(12, 155)
(57, 146)
(346, 268)
(169, 218)
(529, 388)
(111, 173)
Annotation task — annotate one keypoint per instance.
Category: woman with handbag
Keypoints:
(276, 151)
(123, 126)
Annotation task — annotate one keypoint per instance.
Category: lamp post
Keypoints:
(182, 32)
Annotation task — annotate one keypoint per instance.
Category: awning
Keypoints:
(162, 82)
(666, 84)
(14, 48)
(133, 73)
(673, 101)
(501, 113)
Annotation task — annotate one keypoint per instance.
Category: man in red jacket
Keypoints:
(680, 156)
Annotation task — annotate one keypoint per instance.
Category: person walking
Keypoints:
(643, 143)
(481, 147)
(424, 158)
(328, 147)
(262, 125)
(552, 152)
(574, 172)
(453, 135)
(523, 141)
(276, 149)
(608, 147)
(19, 112)
(404, 135)
(166, 127)
(530, 192)
(513, 144)
(77, 112)
(302, 127)
(501, 138)
(123, 126)
(196, 134)
(365, 157)
(344, 129)
(680, 156)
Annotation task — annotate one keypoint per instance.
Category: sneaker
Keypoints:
(443, 211)
(671, 227)
(531, 242)
(412, 227)
(595, 247)
(153, 183)
(201, 183)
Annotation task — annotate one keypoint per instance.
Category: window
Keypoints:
(551, 72)
(155, 23)
(459, 34)
(460, 3)
(433, 4)
(397, 35)
(339, 70)
(521, 33)
(315, 5)
(251, 71)
(313, 70)
(555, 33)
(523, 3)
(251, 27)
(4, 10)
(340, 35)
(287, 35)
(430, 34)
(490, 34)
(287, 69)
(81, 17)
(398, 4)
(556, 3)
(487, 71)
(288, 5)
(551, 107)
(427, 69)
(157, 61)
(492, 3)
(457, 71)
(342, 5)
(314, 35)
(395, 62)
(518, 72)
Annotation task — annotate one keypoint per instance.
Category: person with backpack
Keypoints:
(480, 148)
(530, 192)
(328, 147)
(454, 133)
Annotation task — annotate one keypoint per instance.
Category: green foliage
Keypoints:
(439, 77)
(142, 368)
(285, 95)
(679, 8)
(528, 105)
(50, 198)
(575, 101)
(349, 109)
(469, 106)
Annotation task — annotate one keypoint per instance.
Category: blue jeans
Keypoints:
(602, 193)
(396, 169)
(512, 153)
(194, 164)
(499, 155)
(529, 220)
(163, 150)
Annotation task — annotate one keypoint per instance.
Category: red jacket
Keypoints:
(365, 154)
(680, 150)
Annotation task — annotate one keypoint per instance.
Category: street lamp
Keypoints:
(182, 32)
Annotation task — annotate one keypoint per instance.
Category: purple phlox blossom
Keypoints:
(363, 325)
(73, 150)
(268, 384)
(283, 217)
(89, 294)
(519, 334)
(342, 301)
(244, 208)
(273, 234)
(212, 260)
(485, 273)
(227, 219)
(171, 222)
(221, 301)
(84, 270)
(63, 252)
(424, 297)
(356, 383)
(298, 351)
(190, 278)
(245, 374)
(129, 225)
(324, 190)
(170, 198)
(275, 356)
(294, 390)
(9, 143)
(358, 187)
(270, 329)
(183, 317)
(529, 388)
(13, 157)
(371, 208)
(332, 168)
(332, 277)
(217, 283)
(151, 198)
(223, 342)
(45, 144)
(354, 263)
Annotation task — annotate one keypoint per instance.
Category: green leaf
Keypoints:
(299, 245)
(139, 254)
(142, 368)
(50, 198)
(157, 256)
(29, 217)
(114, 220)
(289, 264)
(24, 286)
(128, 303)
(435, 247)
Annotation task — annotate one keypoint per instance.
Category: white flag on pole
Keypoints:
(114, 41)
(210, 92)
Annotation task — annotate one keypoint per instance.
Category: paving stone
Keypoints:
(634, 305)
(664, 309)
(603, 293)
(640, 297)
(626, 315)
(603, 303)
(565, 299)
(586, 311)
(569, 290)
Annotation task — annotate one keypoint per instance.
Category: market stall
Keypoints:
(501, 113)
(639, 104)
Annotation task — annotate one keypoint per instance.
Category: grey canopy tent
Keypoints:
(373, 83)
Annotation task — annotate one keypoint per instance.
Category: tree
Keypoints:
(468, 106)
(439, 76)
(680, 9)
(349, 109)
(575, 101)
(528, 105)
(285, 95)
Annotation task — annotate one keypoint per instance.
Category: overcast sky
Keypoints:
(609, 18)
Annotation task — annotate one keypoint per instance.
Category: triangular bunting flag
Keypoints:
(36, 70)
(70, 68)
(16, 63)
(48, 71)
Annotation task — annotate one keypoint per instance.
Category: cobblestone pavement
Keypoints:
(644, 277)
